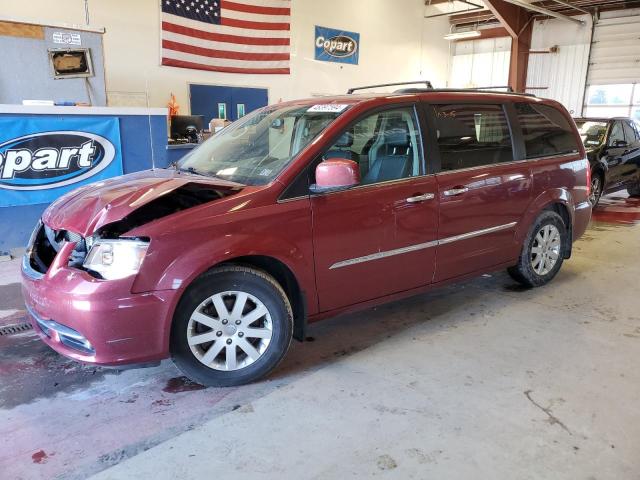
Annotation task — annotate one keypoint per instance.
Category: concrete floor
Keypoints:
(478, 380)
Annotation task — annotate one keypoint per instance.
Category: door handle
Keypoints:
(455, 191)
(421, 198)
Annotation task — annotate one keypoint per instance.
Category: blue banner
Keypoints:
(337, 45)
(43, 158)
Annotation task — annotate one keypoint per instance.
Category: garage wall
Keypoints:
(397, 43)
(560, 75)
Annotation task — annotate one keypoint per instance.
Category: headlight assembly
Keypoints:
(114, 259)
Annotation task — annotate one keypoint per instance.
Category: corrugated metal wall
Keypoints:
(560, 75)
(480, 63)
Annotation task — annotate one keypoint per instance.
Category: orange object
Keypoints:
(173, 106)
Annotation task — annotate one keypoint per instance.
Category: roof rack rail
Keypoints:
(507, 87)
(425, 82)
(462, 90)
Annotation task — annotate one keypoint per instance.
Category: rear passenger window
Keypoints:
(472, 135)
(546, 131)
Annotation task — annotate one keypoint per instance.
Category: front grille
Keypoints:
(47, 243)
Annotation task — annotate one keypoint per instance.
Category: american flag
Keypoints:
(242, 36)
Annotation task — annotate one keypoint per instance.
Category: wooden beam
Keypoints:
(520, 59)
(512, 17)
(519, 23)
(14, 29)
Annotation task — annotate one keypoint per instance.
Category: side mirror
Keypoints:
(619, 144)
(335, 174)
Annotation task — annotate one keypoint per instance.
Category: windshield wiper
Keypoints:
(177, 168)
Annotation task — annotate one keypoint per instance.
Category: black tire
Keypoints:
(597, 186)
(524, 272)
(634, 191)
(255, 283)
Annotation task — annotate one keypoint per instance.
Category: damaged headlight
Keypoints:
(114, 259)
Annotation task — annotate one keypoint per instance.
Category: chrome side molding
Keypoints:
(421, 246)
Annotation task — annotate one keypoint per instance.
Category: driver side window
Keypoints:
(386, 146)
(617, 134)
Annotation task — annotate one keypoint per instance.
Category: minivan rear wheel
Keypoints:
(232, 326)
(542, 252)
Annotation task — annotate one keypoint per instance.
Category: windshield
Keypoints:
(592, 132)
(256, 148)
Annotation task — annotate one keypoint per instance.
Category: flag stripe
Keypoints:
(222, 37)
(266, 3)
(254, 17)
(225, 62)
(248, 8)
(244, 32)
(210, 52)
(215, 68)
(232, 22)
(217, 45)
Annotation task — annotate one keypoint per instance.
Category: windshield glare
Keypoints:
(592, 133)
(256, 148)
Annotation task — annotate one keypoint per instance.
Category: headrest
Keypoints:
(397, 133)
(345, 140)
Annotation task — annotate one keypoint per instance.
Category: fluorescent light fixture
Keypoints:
(462, 35)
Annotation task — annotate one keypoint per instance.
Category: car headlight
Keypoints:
(114, 259)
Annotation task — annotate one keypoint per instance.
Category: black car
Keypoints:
(613, 148)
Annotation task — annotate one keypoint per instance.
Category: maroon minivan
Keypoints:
(300, 211)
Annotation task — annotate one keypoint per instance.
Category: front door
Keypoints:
(630, 156)
(377, 238)
(614, 156)
(482, 192)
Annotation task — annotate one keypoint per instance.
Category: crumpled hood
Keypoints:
(88, 208)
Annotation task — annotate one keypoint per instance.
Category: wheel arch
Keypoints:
(556, 200)
(562, 210)
(285, 277)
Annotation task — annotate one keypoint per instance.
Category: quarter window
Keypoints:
(629, 133)
(472, 135)
(546, 131)
(386, 146)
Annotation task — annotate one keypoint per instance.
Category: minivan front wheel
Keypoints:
(542, 251)
(231, 327)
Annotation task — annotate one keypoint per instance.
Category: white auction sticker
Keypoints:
(328, 107)
(66, 38)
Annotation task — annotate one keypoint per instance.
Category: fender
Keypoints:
(546, 198)
(177, 256)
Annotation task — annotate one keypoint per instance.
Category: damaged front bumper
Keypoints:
(93, 320)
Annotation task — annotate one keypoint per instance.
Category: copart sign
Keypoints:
(41, 158)
(337, 45)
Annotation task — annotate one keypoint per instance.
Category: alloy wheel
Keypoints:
(229, 330)
(546, 249)
(596, 187)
